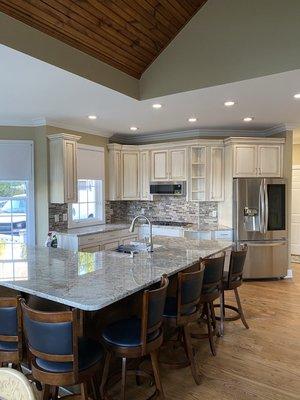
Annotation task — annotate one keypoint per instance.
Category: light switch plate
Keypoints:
(56, 218)
(65, 217)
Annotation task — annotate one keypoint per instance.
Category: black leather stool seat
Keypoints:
(89, 353)
(126, 333)
(171, 306)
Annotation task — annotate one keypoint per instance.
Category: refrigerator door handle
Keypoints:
(266, 207)
(261, 208)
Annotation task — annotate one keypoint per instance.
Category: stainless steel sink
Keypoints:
(136, 247)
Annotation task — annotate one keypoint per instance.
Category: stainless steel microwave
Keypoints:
(168, 188)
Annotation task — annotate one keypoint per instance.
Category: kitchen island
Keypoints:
(93, 281)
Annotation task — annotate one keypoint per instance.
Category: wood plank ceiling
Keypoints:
(126, 34)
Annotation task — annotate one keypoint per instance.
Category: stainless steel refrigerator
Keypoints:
(259, 220)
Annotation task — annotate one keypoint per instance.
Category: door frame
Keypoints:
(294, 168)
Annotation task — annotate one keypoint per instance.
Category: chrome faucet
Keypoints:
(132, 226)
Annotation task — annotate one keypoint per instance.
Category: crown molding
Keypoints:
(199, 133)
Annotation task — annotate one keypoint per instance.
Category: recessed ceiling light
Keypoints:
(92, 116)
(248, 119)
(192, 119)
(297, 96)
(229, 103)
(133, 128)
(156, 106)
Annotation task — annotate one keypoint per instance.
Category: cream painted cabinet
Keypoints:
(255, 160)
(115, 174)
(168, 165)
(245, 160)
(177, 164)
(269, 160)
(130, 175)
(216, 174)
(159, 163)
(144, 173)
(63, 168)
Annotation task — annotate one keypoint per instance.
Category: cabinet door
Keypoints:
(217, 174)
(270, 160)
(245, 160)
(130, 172)
(177, 167)
(144, 175)
(70, 171)
(160, 165)
(113, 245)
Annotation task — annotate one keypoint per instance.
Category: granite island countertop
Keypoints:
(92, 281)
(89, 230)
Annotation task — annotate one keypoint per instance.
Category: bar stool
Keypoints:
(231, 281)
(137, 337)
(211, 290)
(10, 332)
(58, 356)
(182, 310)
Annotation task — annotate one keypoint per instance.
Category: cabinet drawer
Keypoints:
(89, 239)
(89, 249)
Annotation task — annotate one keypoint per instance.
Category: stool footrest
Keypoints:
(233, 308)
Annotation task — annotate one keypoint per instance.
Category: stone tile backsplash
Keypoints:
(164, 208)
(60, 210)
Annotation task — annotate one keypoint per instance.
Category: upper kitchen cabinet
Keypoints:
(168, 164)
(216, 192)
(130, 175)
(257, 157)
(63, 168)
(114, 162)
(144, 175)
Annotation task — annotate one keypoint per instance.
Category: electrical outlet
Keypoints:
(142, 211)
(213, 214)
(65, 217)
(56, 218)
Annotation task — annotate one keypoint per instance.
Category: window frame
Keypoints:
(89, 222)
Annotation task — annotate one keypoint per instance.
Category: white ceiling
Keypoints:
(31, 90)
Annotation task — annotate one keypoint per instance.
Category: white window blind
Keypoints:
(16, 161)
(90, 162)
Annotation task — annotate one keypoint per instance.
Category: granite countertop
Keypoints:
(89, 230)
(91, 281)
(207, 227)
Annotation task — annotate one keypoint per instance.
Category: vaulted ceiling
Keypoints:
(126, 34)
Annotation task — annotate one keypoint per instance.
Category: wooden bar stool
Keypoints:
(58, 356)
(180, 312)
(211, 290)
(231, 281)
(10, 332)
(137, 337)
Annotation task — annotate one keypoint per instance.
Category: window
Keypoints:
(17, 224)
(90, 207)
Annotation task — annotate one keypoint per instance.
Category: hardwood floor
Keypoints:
(260, 363)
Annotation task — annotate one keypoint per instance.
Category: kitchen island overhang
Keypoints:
(93, 281)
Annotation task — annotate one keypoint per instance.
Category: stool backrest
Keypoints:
(152, 312)
(52, 336)
(189, 291)
(10, 328)
(14, 385)
(213, 273)
(236, 266)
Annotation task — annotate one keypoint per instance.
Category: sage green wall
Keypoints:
(38, 135)
(37, 44)
(227, 41)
